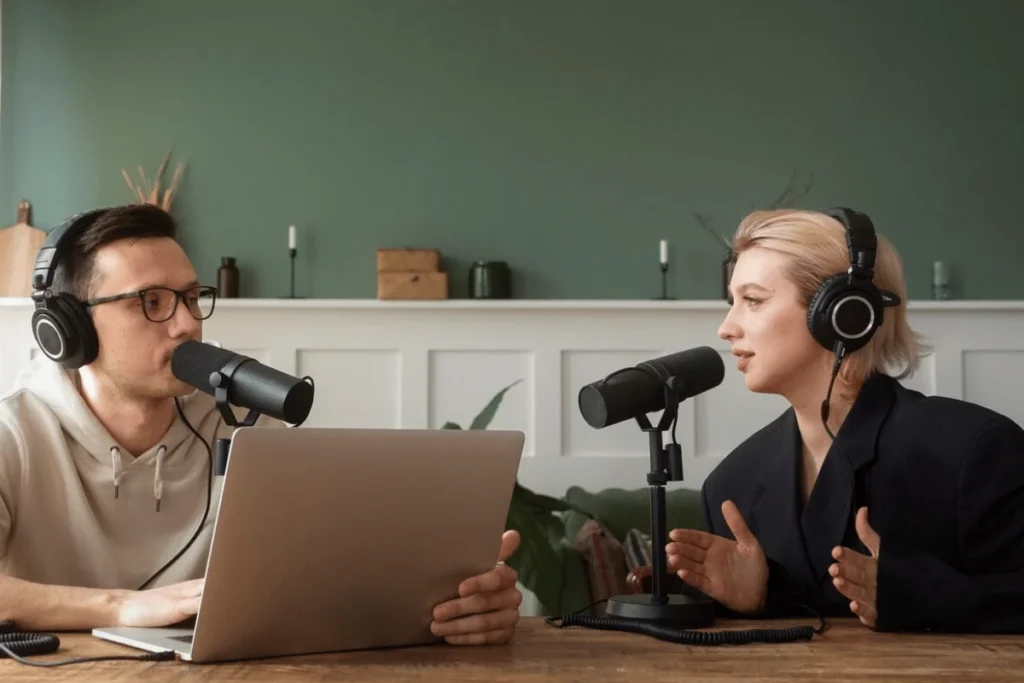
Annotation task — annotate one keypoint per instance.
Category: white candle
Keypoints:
(663, 252)
(291, 236)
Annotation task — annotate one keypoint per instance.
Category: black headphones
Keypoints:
(61, 324)
(847, 308)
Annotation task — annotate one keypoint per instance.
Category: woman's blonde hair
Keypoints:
(816, 246)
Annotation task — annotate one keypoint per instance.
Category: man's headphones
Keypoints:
(61, 324)
(848, 308)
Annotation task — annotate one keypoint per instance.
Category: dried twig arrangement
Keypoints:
(789, 197)
(792, 194)
(704, 222)
(149, 192)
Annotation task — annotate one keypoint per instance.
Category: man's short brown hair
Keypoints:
(75, 271)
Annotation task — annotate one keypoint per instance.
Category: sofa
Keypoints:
(591, 546)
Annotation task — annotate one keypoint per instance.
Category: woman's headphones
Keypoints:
(61, 324)
(847, 307)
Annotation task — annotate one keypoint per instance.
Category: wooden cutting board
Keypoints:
(19, 245)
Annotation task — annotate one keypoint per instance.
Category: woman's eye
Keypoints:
(751, 300)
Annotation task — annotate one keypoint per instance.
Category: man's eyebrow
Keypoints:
(148, 285)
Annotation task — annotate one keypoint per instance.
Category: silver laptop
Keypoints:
(342, 539)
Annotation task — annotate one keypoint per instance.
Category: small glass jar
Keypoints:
(940, 281)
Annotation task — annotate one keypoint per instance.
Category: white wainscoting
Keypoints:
(419, 364)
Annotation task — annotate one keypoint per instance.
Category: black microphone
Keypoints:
(242, 381)
(639, 390)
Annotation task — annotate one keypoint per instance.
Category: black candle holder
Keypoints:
(291, 258)
(664, 284)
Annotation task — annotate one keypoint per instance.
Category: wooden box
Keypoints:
(408, 260)
(410, 285)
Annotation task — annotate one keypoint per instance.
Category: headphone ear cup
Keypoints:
(64, 331)
(819, 314)
(53, 334)
(85, 332)
(843, 311)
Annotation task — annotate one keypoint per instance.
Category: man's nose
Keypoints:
(182, 323)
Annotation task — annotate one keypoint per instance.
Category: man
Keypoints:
(103, 474)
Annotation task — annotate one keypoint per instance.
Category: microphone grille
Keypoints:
(193, 362)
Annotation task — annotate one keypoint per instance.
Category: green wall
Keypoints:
(564, 137)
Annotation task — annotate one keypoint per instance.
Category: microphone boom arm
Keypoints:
(221, 381)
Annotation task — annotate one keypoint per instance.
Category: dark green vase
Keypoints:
(727, 267)
(490, 280)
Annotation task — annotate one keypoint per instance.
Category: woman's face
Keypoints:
(767, 327)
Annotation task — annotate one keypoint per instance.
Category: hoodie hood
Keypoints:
(58, 389)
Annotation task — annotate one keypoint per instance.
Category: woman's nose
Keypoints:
(728, 330)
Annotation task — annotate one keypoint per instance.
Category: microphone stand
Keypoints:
(683, 610)
(221, 382)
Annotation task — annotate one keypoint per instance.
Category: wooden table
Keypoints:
(847, 651)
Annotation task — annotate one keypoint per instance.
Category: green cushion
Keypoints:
(623, 509)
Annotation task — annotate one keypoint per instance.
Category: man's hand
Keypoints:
(735, 573)
(487, 609)
(158, 607)
(856, 575)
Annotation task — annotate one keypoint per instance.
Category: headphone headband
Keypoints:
(55, 244)
(860, 238)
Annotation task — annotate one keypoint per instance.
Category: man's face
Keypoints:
(134, 352)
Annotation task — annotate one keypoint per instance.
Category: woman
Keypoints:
(912, 516)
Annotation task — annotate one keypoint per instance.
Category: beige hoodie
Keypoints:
(77, 509)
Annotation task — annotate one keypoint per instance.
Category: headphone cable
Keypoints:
(209, 496)
(18, 646)
(840, 351)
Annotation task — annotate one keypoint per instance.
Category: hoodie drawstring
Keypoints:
(158, 482)
(115, 456)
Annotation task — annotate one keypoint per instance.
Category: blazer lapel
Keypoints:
(776, 518)
(828, 518)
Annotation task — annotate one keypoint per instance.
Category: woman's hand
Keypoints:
(856, 575)
(734, 573)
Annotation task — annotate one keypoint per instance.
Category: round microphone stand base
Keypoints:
(682, 611)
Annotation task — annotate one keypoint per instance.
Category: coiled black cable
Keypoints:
(26, 643)
(682, 636)
(17, 646)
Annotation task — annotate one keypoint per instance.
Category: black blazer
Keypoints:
(943, 481)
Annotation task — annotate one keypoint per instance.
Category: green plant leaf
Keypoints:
(487, 414)
(537, 560)
(543, 552)
(450, 425)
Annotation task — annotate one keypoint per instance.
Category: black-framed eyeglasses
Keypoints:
(160, 303)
